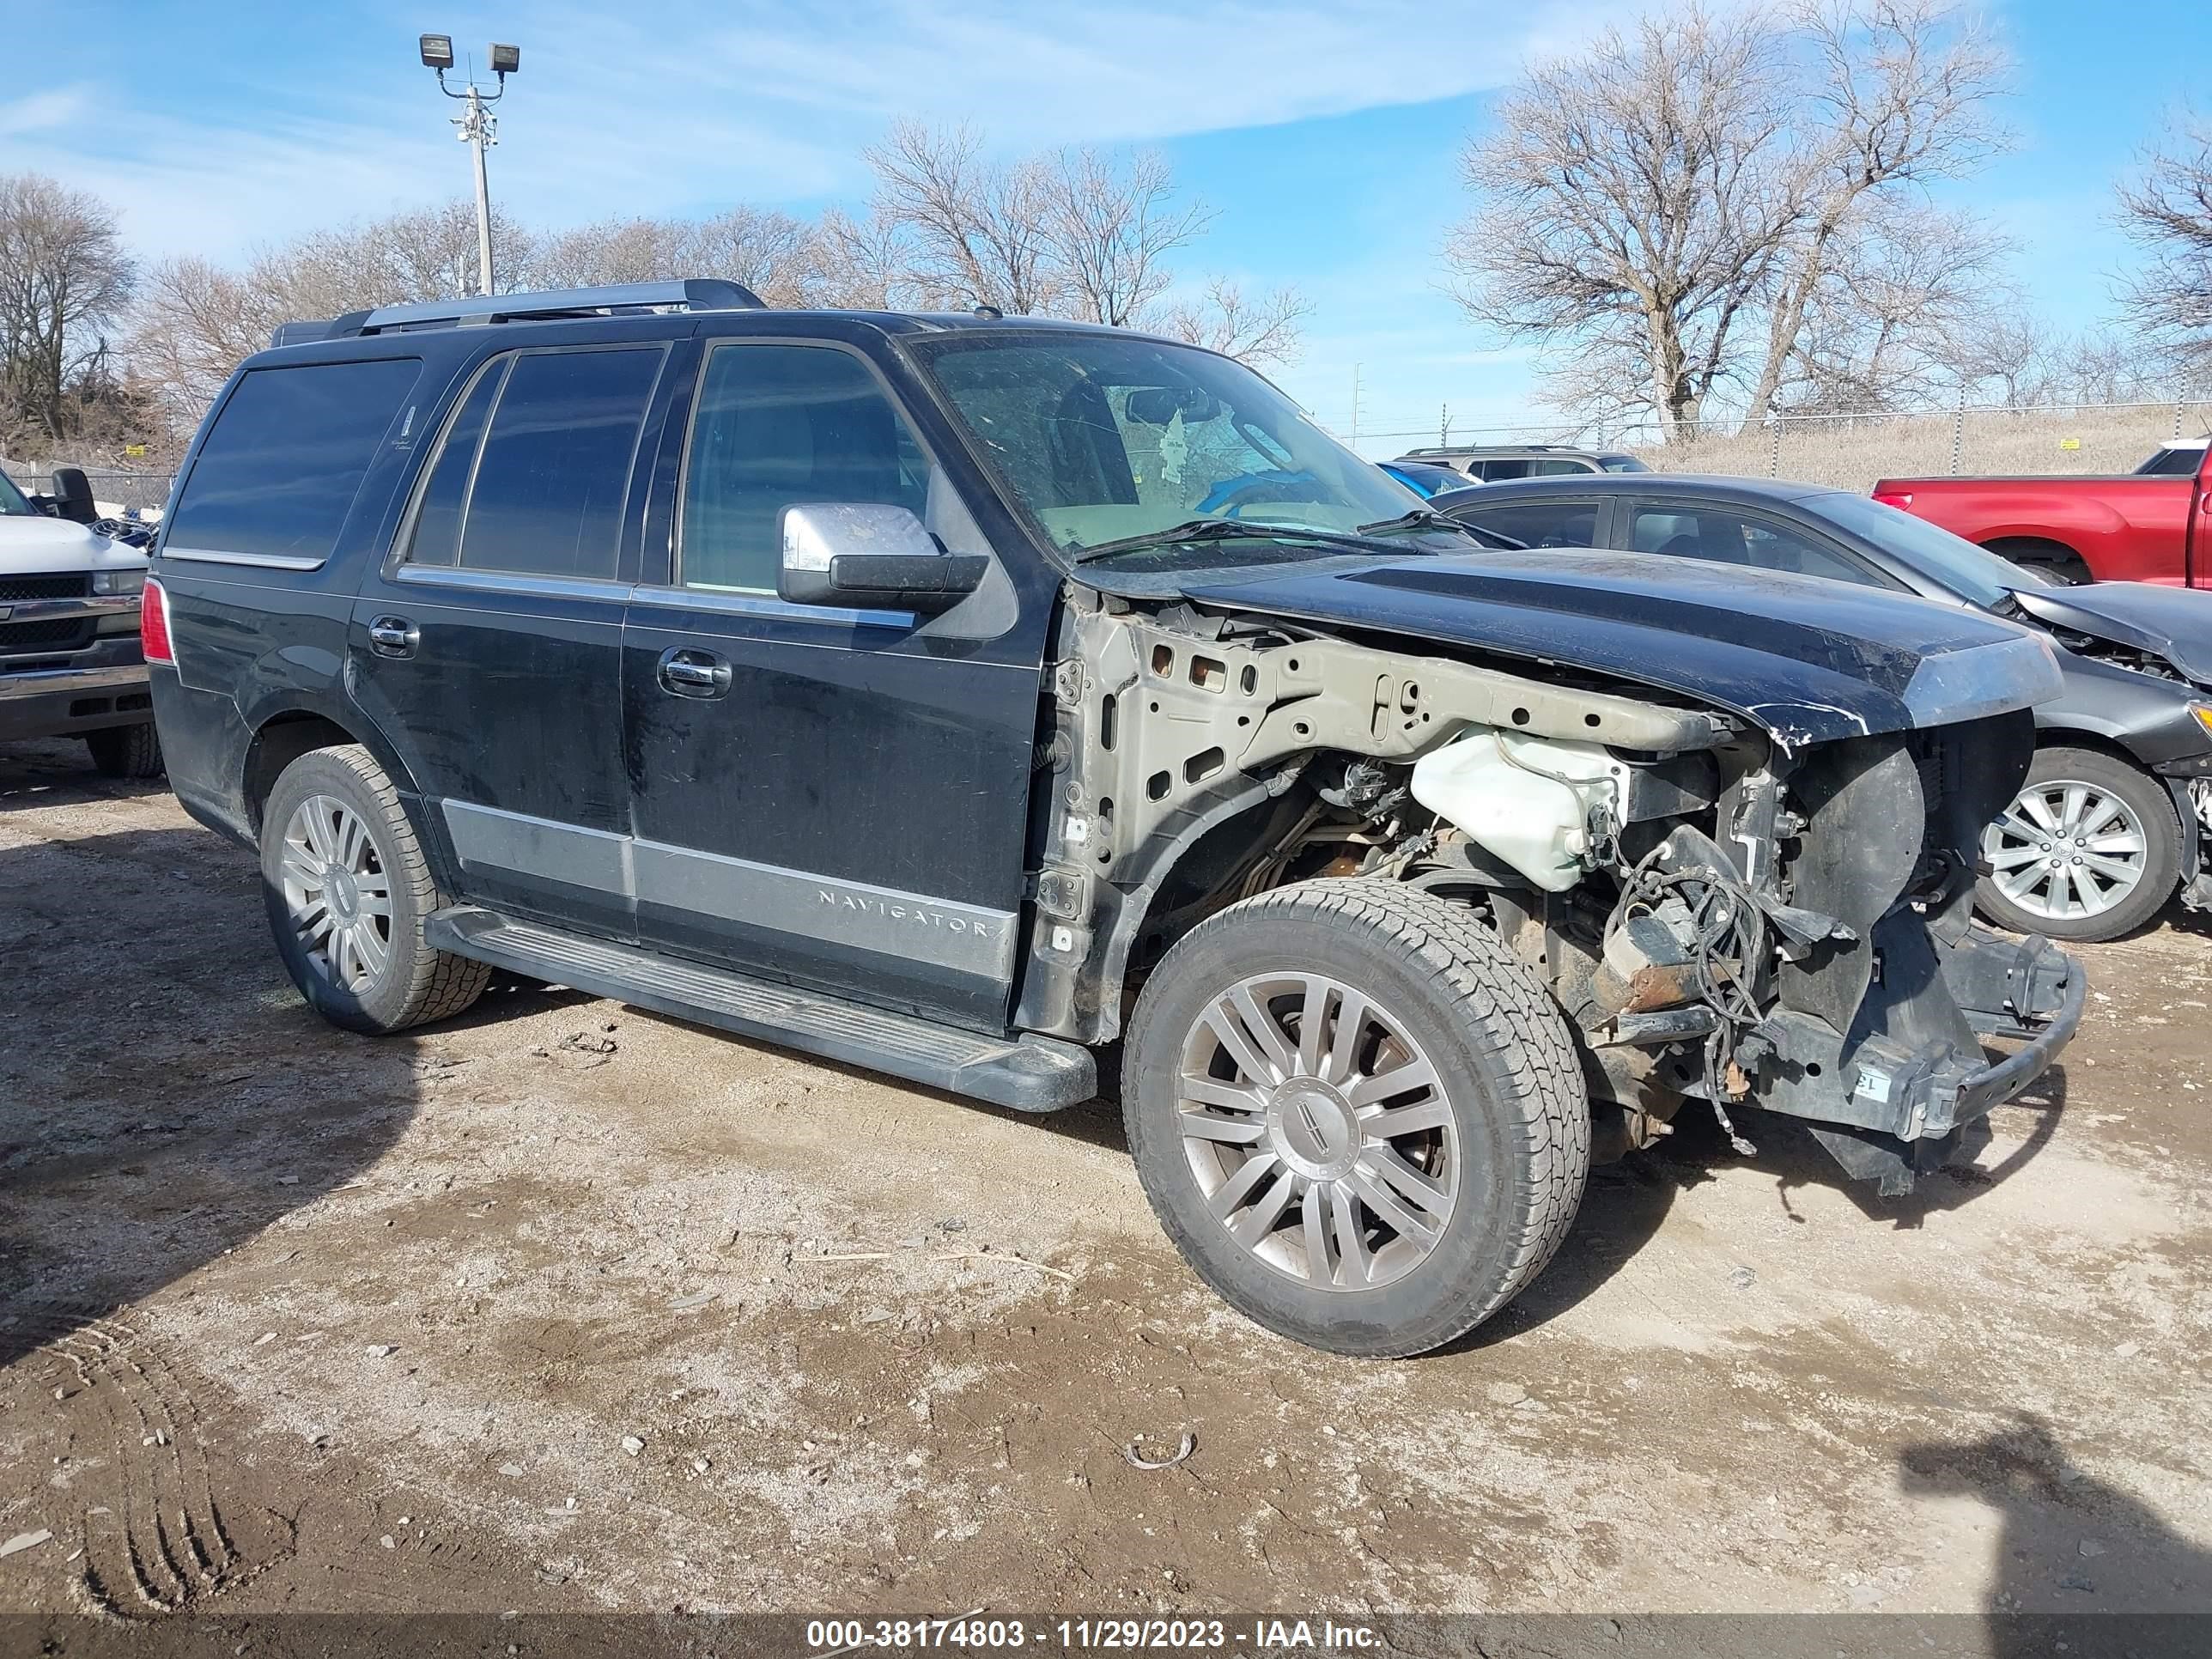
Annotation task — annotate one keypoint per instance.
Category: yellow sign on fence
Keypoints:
(2070, 443)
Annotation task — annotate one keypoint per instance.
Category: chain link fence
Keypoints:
(1852, 451)
(118, 491)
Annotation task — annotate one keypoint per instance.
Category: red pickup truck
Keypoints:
(2154, 524)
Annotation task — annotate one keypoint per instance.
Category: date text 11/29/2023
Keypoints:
(827, 1637)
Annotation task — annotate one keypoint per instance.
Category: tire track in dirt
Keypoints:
(158, 1541)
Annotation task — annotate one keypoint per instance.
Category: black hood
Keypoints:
(1811, 661)
(2173, 622)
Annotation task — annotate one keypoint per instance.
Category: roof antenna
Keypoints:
(990, 313)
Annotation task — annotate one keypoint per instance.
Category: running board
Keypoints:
(1029, 1074)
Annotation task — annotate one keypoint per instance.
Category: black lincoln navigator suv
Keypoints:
(959, 696)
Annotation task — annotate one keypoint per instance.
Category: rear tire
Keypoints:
(348, 892)
(2122, 855)
(2061, 564)
(126, 751)
(1315, 1198)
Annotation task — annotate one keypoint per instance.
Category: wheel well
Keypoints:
(2038, 549)
(280, 742)
(2063, 738)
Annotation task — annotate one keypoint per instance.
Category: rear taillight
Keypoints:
(1899, 499)
(154, 624)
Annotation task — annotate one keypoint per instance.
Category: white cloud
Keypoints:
(698, 104)
(58, 106)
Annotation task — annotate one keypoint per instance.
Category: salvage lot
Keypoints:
(564, 1305)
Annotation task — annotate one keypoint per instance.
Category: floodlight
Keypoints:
(437, 52)
(505, 60)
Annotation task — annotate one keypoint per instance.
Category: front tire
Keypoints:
(348, 892)
(1357, 1115)
(2089, 850)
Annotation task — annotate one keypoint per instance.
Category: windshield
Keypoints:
(1974, 574)
(1621, 464)
(1106, 438)
(12, 504)
(1421, 476)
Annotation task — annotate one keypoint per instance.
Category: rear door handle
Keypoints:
(687, 671)
(393, 636)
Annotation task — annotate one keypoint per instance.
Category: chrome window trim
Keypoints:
(262, 561)
(513, 581)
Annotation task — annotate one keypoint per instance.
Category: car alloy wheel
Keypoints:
(1318, 1131)
(336, 892)
(2066, 849)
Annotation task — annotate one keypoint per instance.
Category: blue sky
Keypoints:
(1324, 135)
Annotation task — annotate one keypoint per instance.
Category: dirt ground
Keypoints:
(566, 1306)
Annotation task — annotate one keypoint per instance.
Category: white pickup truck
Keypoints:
(70, 661)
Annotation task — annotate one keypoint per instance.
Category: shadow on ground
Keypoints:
(2068, 1543)
(165, 1095)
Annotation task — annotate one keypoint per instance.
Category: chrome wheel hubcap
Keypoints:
(336, 892)
(1318, 1131)
(2065, 850)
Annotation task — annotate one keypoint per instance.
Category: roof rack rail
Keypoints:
(619, 299)
(1476, 449)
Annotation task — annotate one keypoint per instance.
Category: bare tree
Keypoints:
(2097, 367)
(1264, 329)
(772, 253)
(1634, 200)
(1902, 98)
(1670, 208)
(2005, 355)
(974, 231)
(612, 251)
(66, 280)
(195, 320)
(2167, 211)
(1904, 285)
(1110, 229)
(861, 263)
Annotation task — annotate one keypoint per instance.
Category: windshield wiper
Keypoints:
(1421, 517)
(1220, 530)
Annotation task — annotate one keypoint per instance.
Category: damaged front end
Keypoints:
(1829, 961)
(1740, 889)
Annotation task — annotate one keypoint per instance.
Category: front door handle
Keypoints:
(393, 636)
(686, 671)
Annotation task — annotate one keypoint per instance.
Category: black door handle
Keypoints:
(686, 671)
(393, 636)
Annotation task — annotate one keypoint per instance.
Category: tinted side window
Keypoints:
(1732, 539)
(279, 470)
(1494, 471)
(777, 425)
(437, 539)
(1552, 469)
(559, 433)
(1539, 524)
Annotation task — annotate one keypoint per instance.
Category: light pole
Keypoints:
(479, 128)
